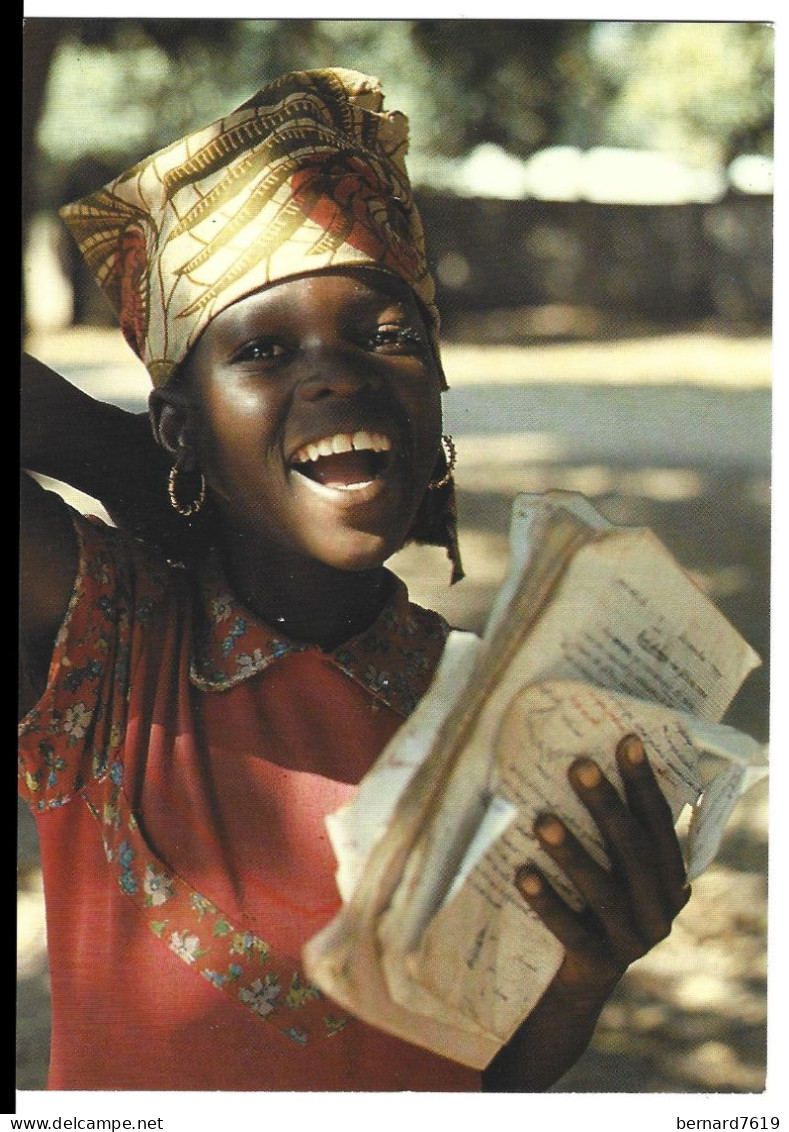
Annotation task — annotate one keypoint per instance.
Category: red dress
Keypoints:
(180, 766)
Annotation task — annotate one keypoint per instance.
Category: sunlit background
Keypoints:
(598, 205)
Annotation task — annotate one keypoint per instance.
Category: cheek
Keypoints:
(427, 424)
(235, 428)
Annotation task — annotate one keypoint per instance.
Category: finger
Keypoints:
(630, 849)
(652, 811)
(595, 884)
(557, 916)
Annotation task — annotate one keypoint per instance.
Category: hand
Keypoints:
(627, 910)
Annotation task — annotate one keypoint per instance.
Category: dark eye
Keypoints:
(261, 350)
(396, 339)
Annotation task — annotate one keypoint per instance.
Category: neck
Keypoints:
(304, 599)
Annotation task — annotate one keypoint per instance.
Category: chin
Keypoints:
(358, 552)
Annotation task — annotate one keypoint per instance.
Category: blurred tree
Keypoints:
(703, 91)
(113, 86)
(94, 85)
(500, 80)
(41, 38)
(100, 93)
(122, 87)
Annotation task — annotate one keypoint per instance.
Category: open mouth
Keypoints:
(345, 460)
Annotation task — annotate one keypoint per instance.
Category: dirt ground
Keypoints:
(671, 432)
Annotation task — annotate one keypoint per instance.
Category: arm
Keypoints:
(47, 567)
(628, 911)
(97, 448)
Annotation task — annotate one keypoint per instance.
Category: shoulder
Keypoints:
(398, 656)
(111, 558)
(119, 588)
(405, 620)
(426, 623)
(125, 591)
(124, 600)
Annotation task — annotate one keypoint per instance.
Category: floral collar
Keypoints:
(394, 659)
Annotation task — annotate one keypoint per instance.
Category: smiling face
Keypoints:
(313, 410)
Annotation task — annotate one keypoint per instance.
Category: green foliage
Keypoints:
(703, 90)
(501, 82)
(117, 89)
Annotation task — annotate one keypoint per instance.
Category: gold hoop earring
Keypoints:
(450, 454)
(185, 509)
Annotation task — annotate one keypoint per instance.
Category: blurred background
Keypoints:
(597, 198)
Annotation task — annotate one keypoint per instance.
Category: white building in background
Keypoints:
(752, 173)
(603, 174)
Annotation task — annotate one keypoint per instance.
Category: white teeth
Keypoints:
(361, 441)
(378, 443)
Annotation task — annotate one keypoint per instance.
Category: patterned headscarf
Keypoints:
(308, 174)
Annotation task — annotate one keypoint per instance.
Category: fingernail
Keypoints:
(587, 773)
(550, 830)
(633, 750)
(529, 883)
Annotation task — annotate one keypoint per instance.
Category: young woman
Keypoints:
(211, 678)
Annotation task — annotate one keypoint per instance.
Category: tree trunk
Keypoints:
(40, 40)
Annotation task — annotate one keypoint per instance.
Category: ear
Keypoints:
(171, 415)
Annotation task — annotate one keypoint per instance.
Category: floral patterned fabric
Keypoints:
(395, 659)
(180, 764)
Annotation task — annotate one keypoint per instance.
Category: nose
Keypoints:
(336, 372)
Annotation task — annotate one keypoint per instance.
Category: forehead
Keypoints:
(322, 295)
(345, 299)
